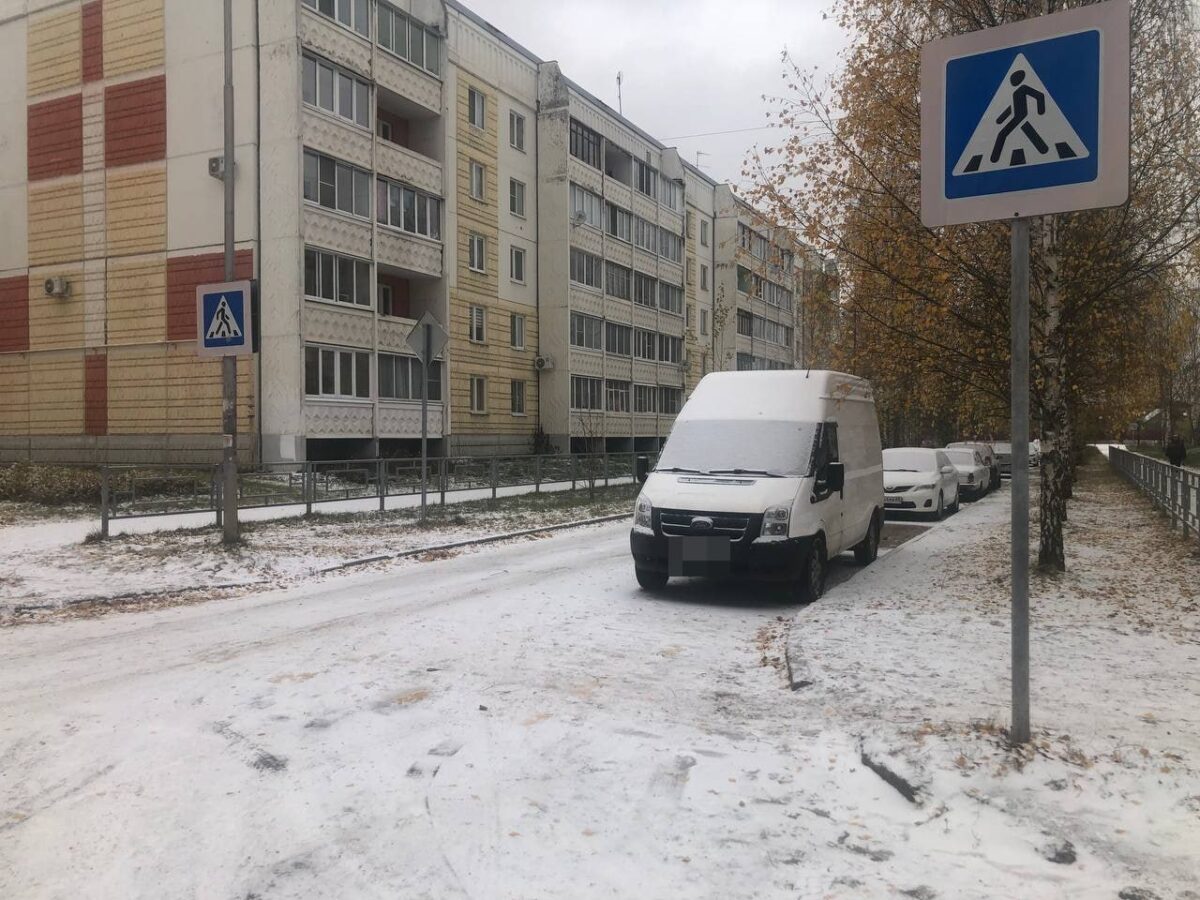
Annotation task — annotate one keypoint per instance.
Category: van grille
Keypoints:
(735, 526)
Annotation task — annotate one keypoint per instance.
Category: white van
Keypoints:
(765, 474)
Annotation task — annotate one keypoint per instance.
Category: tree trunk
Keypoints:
(1056, 437)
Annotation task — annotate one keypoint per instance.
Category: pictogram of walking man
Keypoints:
(1018, 115)
(223, 325)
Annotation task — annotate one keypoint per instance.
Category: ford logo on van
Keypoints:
(702, 523)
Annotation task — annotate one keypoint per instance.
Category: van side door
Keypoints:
(832, 504)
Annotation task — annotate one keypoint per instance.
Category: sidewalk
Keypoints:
(912, 658)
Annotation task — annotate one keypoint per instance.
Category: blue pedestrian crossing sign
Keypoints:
(1027, 119)
(223, 318)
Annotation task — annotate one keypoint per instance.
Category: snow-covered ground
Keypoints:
(523, 722)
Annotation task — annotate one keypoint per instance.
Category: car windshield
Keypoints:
(1003, 447)
(966, 457)
(909, 459)
(737, 446)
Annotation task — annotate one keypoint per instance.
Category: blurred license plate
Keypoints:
(893, 501)
(704, 549)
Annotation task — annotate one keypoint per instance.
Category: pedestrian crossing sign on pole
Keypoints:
(1027, 119)
(224, 321)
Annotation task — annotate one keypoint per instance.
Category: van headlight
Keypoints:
(775, 521)
(643, 514)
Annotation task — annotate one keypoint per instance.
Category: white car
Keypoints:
(974, 475)
(917, 479)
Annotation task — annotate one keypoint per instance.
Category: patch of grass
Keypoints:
(93, 537)
(49, 485)
(1192, 459)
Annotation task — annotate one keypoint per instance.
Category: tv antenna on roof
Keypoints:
(700, 153)
(619, 108)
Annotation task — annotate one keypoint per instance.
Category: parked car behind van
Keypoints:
(1004, 457)
(918, 479)
(987, 451)
(974, 477)
(766, 475)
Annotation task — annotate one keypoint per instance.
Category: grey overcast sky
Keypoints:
(689, 66)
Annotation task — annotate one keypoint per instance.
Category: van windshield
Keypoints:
(740, 446)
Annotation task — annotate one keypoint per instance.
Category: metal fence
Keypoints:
(1175, 491)
(133, 492)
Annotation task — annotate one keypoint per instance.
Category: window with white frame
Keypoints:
(669, 245)
(408, 39)
(399, 378)
(478, 394)
(644, 397)
(476, 253)
(671, 193)
(589, 204)
(644, 290)
(477, 324)
(616, 395)
(333, 372)
(516, 197)
(475, 108)
(669, 400)
(703, 277)
(704, 321)
(586, 393)
(620, 223)
(354, 14)
(617, 280)
(341, 279)
(516, 264)
(645, 234)
(670, 349)
(516, 331)
(586, 331)
(408, 209)
(585, 144)
(478, 179)
(518, 398)
(516, 130)
(645, 178)
(335, 90)
(336, 185)
(645, 344)
(585, 268)
(703, 233)
(617, 338)
(670, 298)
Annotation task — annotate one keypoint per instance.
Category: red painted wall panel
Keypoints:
(184, 274)
(93, 41)
(56, 138)
(95, 393)
(135, 122)
(14, 314)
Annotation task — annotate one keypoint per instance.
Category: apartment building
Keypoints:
(393, 159)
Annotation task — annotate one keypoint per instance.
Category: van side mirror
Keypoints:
(835, 477)
(642, 469)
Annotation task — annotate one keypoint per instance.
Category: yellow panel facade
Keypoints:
(194, 393)
(56, 392)
(14, 394)
(56, 222)
(133, 36)
(137, 390)
(56, 323)
(137, 300)
(137, 211)
(55, 51)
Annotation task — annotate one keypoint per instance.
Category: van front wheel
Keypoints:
(812, 579)
(867, 550)
(650, 579)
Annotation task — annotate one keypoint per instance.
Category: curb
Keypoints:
(473, 542)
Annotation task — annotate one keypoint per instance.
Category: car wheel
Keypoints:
(812, 579)
(650, 579)
(867, 550)
(957, 498)
(940, 513)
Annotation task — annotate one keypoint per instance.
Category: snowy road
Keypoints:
(519, 722)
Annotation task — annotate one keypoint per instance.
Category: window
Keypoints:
(400, 378)
(585, 331)
(645, 179)
(341, 279)
(518, 398)
(670, 349)
(671, 194)
(645, 344)
(585, 144)
(703, 277)
(409, 39)
(744, 281)
(670, 298)
(669, 245)
(329, 372)
(408, 209)
(337, 91)
(478, 394)
(644, 290)
(516, 130)
(351, 13)
(475, 108)
(617, 338)
(745, 323)
(704, 321)
(616, 396)
(478, 180)
(644, 397)
(477, 324)
(585, 268)
(645, 234)
(616, 280)
(516, 197)
(385, 130)
(477, 250)
(620, 223)
(393, 300)
(336, 185)
(586, 393)
(516, 331)
(703, 233)
(762, 329)
(592, 207)
(669, 400)
(516, 264)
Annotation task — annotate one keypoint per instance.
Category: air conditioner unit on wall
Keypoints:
(543, 363)
(58, 287)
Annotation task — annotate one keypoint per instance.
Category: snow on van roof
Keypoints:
(793, 394)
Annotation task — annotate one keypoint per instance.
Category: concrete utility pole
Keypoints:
(229, 474)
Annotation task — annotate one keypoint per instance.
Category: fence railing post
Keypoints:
(495, 475)
(444, 477)
(381, 479)
(218, 493)
(104, 502)
(574, 460)
(537, 474)
(606, 469)
(310, 488)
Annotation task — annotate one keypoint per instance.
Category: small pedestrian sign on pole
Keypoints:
(224, 322)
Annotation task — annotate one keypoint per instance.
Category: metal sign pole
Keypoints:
(229, 363)
(427, 343)
(1020, 481)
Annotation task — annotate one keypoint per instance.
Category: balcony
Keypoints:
(409, 253)
(401, 164)
(406, 80)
